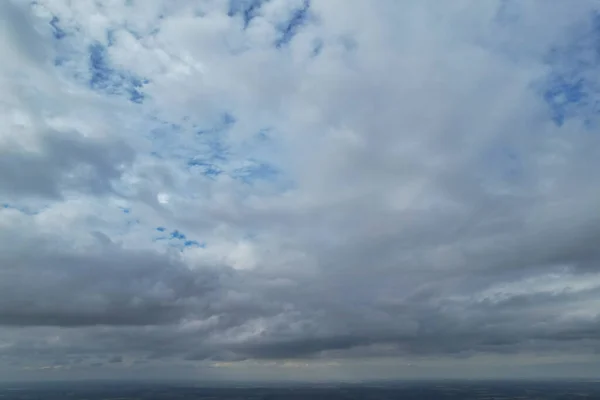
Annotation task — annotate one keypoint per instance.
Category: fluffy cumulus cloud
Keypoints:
(270, 189)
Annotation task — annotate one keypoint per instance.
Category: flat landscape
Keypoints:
(408, 391)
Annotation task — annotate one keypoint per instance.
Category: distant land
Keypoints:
(421, 390)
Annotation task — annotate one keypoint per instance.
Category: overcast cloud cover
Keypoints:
(307, 189)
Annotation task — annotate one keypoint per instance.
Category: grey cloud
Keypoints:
(109, 287)
(301, 347)
(64, 162)
(37, 158)
(335, 312)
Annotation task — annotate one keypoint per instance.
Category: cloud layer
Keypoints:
(242, 185)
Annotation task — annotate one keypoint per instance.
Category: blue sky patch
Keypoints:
(218, 150)
(225, 122)
(570, 89)
(562, 95)
(24, 210)
(208, 169)
(178, 239)
(291, 27)
(103, 77)
(57, 31)
(177, 235)
(247, 9)
(203, 151)
(255, 172)
(213, 148)
(193, 243)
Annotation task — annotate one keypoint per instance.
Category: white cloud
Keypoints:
(189, 181)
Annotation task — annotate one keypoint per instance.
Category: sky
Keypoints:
(299, 189)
